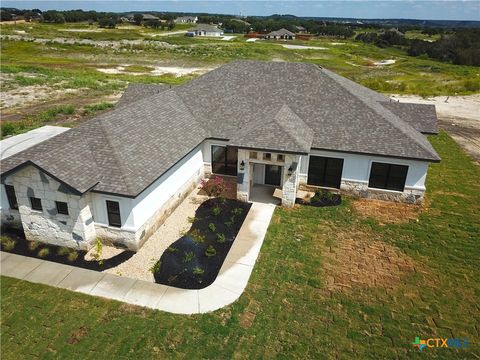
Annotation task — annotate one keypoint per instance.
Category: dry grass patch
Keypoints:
(357, 259)
(387, 212)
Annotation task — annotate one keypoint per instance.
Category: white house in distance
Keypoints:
(186, 20)
(282, 34)
(118, 176)
(205, 30)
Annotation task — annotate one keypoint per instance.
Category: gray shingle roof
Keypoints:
(422, 117)
(136, 92)
(205, 27)
(269, 105)
(281, 32)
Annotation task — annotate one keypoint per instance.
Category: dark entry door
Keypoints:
(273, 175)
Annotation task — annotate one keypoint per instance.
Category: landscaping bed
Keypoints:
(14, 242)
(194, 260)
(321, 198)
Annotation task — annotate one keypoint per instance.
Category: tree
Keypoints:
(5, 16)
(171, 25)
(107, 22)
(137, 19)
(53, 16)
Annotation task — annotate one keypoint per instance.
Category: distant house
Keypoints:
(205, 30)
(146, 17)
(396, 31)
(186, 20)
(280, 34)
(300, 29)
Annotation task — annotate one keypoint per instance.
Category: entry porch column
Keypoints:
(291, 180)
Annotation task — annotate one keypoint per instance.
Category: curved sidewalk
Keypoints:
(227, 287)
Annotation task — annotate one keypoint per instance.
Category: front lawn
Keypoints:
(329, 283)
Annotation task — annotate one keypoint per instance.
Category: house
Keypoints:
(145, 17)
(204, 30)
(286, 126)
(300, 29)
(186, 20)
(280, 34)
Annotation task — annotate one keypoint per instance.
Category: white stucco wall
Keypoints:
(356, 168)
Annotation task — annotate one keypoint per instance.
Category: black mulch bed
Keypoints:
(186, 263)
(322, 198)
(22, 248)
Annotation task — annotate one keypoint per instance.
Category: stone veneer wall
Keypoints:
(133, 240)
(290, 182)
(360, 189)
(75, 230)
(10, 218)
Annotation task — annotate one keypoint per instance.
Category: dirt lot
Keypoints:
(458, 115)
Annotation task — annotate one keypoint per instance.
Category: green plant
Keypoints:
(192, 219)
(198, 270)
(33, 245)
(214, 187)
(72, 256)
(210, 251)
(43, 252)
(197, 236)
(97, 254)
(155, 268)
(216, 211)
(237, 211)
(62, 251)
(8, 129)
(212, 227)
(220, 238)
(229, 223)
(188, 257)
(7, 243)
(171, 249)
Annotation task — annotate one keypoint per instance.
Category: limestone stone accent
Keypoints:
(290, 181)
(243, 187)
(361, 189)
(75, 230)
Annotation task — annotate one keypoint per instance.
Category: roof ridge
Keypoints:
(288, 129)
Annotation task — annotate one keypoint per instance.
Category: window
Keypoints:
(267, 156)
(281, 158)
(224, 160)
(12, 198)
(62, 207)
(253, 154)
(325, 171)
(113, 210)
(388, 176)
(36, 203)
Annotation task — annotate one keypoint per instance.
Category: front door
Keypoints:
(273, 175)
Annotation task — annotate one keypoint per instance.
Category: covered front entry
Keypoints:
(266, 174)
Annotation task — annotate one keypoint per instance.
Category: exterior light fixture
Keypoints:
(242, 165)
(290, 171)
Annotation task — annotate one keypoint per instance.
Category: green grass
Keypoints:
(286, 311)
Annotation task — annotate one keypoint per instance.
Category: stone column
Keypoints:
(290, 181)
(243, 176)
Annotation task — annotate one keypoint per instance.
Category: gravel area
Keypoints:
(138, 265)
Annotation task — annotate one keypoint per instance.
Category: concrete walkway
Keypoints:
(227, 287)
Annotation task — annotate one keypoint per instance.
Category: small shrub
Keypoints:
(216, 211)
(214, 187)
(72, 256)
(210, 251)
(197, 236)
(62, 251)
(33, 245)
(212, 227)
(191, 219)
(97, 254)
(8, 129)
(43, 252)
(8, 244)
(198, 270)
(229, 223)
(237, 211)
(188, 257)
(171, 249)
(220, 238)
(155, 268)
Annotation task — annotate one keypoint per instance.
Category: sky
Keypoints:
(398, 9)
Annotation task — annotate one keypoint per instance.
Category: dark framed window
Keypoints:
(62, 207)
(113, 210)
(224, 160)
(36, 203)
(325, 171)
(12, 198)
(388, 176)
